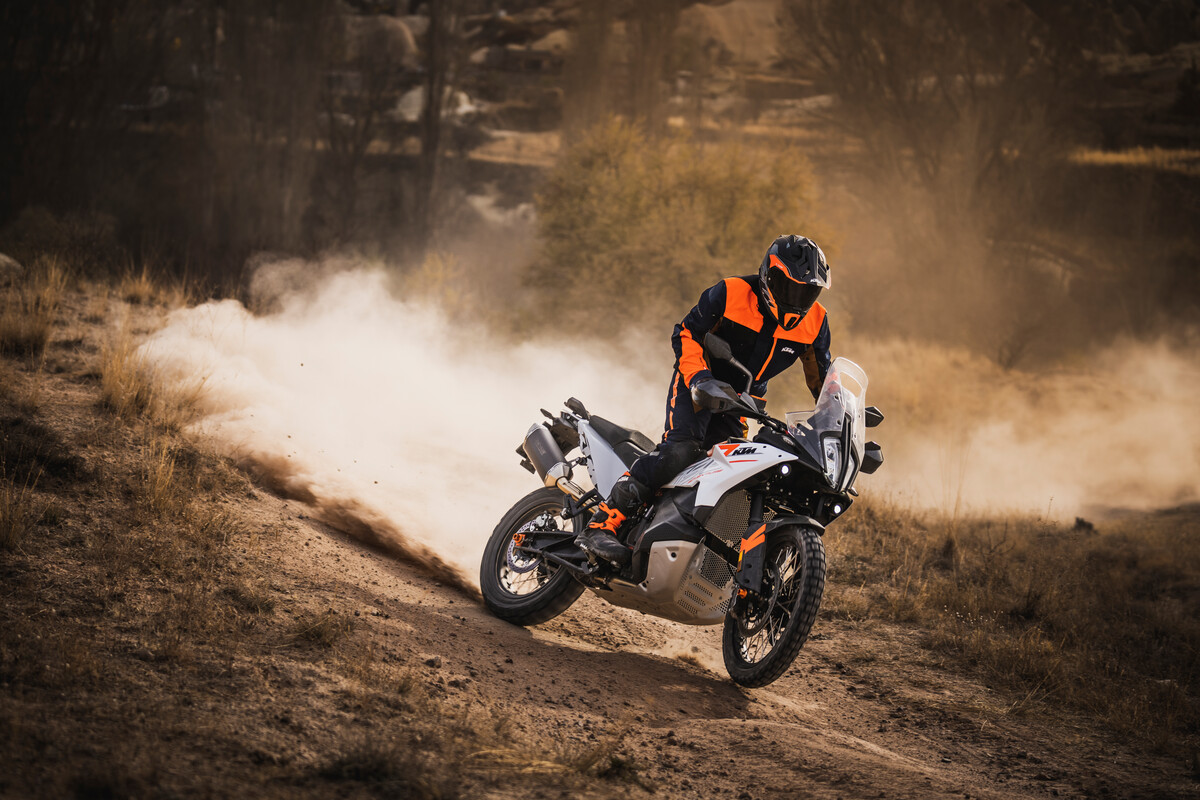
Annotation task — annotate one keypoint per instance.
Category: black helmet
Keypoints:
(791, 276)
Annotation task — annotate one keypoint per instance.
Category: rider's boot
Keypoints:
(602, 536)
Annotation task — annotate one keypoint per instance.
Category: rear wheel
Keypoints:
(522, 588)
(764, 634)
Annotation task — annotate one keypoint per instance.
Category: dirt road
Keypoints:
(237, 646)
(862, 714)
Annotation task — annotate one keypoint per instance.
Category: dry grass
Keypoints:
(324, 630)
(19, 511)
(1105, 621)
(395, 767)
(162, 494)
(28, 309)
(145, 285)
(130, 388)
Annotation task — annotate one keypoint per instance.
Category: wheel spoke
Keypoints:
(522, 574)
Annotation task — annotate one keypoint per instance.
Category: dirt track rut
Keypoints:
(863, 713)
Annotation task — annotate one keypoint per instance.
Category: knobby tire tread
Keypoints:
(781, 657)
(546, 603)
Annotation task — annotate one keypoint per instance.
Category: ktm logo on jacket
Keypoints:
(732, 310)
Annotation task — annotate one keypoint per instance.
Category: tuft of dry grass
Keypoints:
(19, 511)
(394, 766)
(162, 493)
(28, 309)
(1105, 620)
(147, 286)
(126, 386)
(130, 388)
(324, 630)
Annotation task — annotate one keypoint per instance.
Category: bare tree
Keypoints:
(965, 101)
(652, 25)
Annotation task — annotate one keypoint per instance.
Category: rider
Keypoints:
(770, 320)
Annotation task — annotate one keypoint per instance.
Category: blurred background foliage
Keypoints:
(640, 223)
(1019, 178)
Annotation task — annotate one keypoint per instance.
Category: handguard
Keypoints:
(715, 395)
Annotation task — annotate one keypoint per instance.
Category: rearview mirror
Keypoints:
(719, 349)
(874, 416)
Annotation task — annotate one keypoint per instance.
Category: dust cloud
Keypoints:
(397, 421)
(1115, 430)
(390, 418)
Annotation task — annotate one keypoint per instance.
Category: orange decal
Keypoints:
(775, 262)
(752, 541)
(728, 448)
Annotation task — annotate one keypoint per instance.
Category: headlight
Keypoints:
(833, 460)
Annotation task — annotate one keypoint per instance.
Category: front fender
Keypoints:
(749, 572)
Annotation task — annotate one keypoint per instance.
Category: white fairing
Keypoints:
(727, 466)
(603, 463)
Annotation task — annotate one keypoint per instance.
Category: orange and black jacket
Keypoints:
(732, 310)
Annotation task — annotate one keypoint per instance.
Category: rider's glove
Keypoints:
(713, 394)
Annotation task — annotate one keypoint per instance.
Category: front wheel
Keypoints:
(522, 588)
(764, 633)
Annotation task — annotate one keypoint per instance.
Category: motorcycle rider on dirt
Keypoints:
(770, 320)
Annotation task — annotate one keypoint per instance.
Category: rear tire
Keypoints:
(523, 590)
(793, 582)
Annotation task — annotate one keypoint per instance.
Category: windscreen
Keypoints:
(844, 392)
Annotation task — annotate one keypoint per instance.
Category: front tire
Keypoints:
(521, 589)
(764, 635)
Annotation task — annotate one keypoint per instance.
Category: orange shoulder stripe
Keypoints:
(741, 304)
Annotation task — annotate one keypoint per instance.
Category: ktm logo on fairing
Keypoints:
(737, 450)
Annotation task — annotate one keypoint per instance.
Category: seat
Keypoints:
(629, 444)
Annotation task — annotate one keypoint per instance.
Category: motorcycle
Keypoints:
(733, 539)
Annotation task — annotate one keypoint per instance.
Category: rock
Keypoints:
(433, 661)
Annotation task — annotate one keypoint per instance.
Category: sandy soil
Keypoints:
(97, 700)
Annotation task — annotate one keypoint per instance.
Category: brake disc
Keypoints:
(755, 614)
(520, 562)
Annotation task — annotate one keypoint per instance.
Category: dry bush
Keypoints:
(28, 309)
(633, 229)
(1107, 622)
(86, 241)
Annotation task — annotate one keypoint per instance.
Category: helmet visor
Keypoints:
(790, 295)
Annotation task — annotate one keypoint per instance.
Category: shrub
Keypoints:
(28, 308)
(632, 229)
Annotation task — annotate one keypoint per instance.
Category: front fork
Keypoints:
(749, 574)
